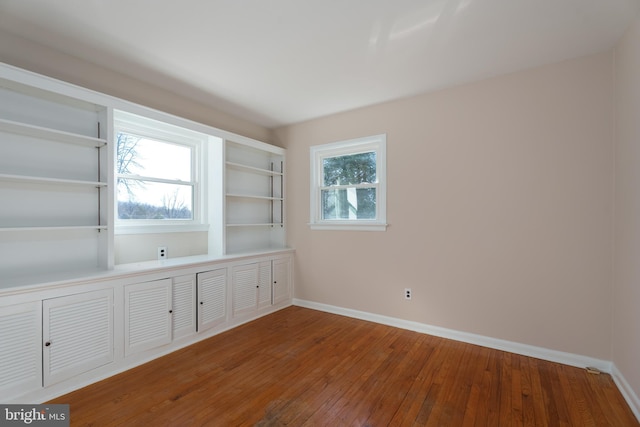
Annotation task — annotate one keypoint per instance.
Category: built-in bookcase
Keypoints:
(54, 180)
(57, 178)
(254, 197)
(64, 306)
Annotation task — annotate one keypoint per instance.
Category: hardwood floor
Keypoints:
(303, 367)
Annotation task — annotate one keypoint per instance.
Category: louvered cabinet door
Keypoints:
(148, 312)
(20, 349)
(184, 305)
(212, 298)
(264, 284)
(77, 334)
(281, 280)
(244, 282)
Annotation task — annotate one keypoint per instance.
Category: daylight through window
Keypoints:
(156, 173)
(154, 179)
(348, 184)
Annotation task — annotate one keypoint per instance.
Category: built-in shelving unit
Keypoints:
(58, 193)
(54, 178)
(57, 243)
(254, 197)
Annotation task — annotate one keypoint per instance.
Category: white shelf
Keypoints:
(240, 166)
(50, 134)
(55, 228)
(248, 196)
(54, 181)
(271, 224)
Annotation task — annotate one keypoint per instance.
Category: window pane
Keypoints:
(349, 203)
(350, 170)
(153, 159)
(153, 200)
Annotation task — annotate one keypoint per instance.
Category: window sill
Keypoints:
(376, 226)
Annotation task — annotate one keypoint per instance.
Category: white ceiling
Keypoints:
(278, 62)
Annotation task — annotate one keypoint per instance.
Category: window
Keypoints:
(348, 184)
(157, 174)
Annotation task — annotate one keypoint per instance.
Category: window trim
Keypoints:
(377, 143)
(171, 134)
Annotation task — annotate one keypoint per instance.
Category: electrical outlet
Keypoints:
(162, 252)
(407, 293)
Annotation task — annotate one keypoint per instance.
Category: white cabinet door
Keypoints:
(264, 284)
(20, 349)
(148, 311)
(244, 282)
(281, 279)
(184, 305)
(77, 334)
(212, 298)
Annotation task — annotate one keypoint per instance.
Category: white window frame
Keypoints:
(171, 134)
(318, 153)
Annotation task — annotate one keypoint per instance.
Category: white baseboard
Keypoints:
(627, 392)
(498, 344)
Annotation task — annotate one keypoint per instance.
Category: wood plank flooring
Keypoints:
(301, 367)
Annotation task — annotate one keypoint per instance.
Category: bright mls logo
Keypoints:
(37, 415)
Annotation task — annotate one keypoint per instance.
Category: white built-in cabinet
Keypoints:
(260, 284)
(77, 334)
(160, 311)
(254, 197)
(54, 179)
(282, 279)
(184, 319)
(45, 342)
(20, 347)
(212, 298)
(245, 288)
(148, 313)
(52, 337)
(265, 287)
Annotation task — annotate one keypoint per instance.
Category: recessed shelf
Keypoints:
(248, 196)
(53, 181)
(240, 166)
(50, 134)
(254, 198)
(271, 224)
(55, 228)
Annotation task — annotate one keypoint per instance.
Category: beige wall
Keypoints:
(500, 205)
(626, 305)
(21, 53)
